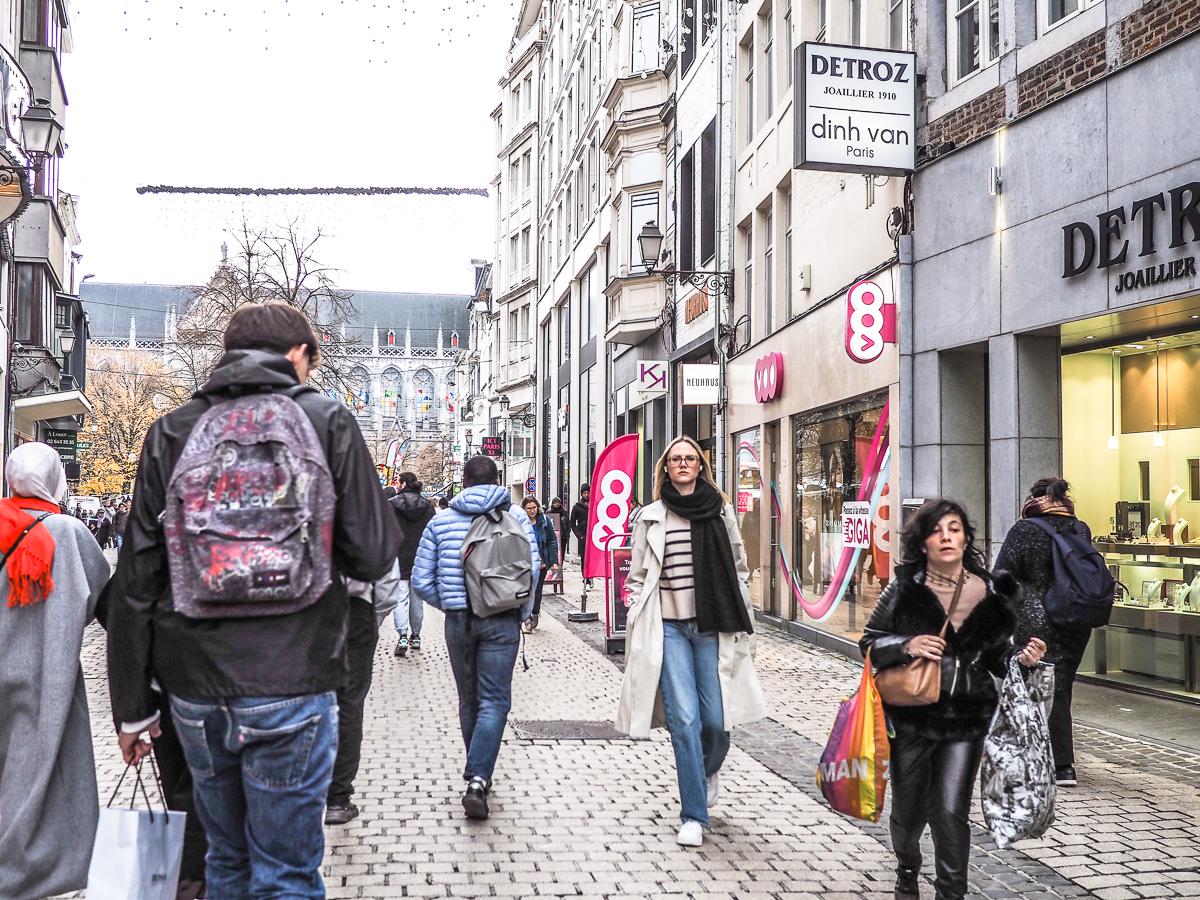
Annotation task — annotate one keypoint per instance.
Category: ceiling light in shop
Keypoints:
(1137, 346)
(1195, 317)
(1159, 441)
(1114, 443)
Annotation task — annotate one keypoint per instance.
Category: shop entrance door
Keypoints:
(773, 581)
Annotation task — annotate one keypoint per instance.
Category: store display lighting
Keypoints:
(1158, 435)
(1113, 442)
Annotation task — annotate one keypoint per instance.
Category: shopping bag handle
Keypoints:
(142, 785)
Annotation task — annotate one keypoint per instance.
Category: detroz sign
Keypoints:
(1107, 244)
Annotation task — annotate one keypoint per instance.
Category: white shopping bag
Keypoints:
(137, 853)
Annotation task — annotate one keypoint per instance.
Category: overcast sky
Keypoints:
(272, 93)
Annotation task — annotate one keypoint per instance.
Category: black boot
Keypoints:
(908, 884)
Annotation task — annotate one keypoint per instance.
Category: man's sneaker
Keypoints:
(415, 642)
(714, 789)
(340, 815)
(1064, 776)
(402, 647)
(908, 884)
(474, 801)
(691, 834)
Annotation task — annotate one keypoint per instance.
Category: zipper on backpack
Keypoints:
(304, 533)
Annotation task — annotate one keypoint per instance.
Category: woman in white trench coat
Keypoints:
(689, 641)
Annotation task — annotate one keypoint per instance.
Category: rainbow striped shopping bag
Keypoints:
(853, 772)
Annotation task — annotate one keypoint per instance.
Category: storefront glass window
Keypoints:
(832, 457)
(749, 499)
(1131, 465)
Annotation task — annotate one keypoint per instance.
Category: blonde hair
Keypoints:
(660, 468)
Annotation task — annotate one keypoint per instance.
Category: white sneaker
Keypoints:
(691, 834)
(714, 790)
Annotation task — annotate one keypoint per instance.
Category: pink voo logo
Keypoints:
(768, 377)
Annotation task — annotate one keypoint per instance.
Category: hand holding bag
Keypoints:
(853, 772)
(137, 852)
(917, 683)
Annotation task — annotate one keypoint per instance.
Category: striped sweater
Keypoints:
(677, 583)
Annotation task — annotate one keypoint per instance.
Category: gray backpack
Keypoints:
(249, 512)
(496, 565)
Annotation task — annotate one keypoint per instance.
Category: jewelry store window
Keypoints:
(1133, 471)
(840, 455)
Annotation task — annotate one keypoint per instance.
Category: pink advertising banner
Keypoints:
(612, 491)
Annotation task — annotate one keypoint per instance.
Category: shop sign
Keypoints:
(744, 500)
(652, 379)
(491, 445)
(870, 322)
(856, 525)
(695, 306)
(65, 442)
(768, 377)
(693, 317)
(701, 384)
(858, 109)
(621, 562)
(1105, 246)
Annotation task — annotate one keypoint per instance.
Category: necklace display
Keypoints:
(942, 580)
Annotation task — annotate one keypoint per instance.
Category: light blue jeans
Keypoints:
(409, 612)
(691, 692)
(261, 768)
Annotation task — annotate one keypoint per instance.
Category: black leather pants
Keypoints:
(932, 784)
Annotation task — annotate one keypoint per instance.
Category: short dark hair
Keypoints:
(480, 470)
(277, 327)
(585, 487)
(925, 520)
(443, 502)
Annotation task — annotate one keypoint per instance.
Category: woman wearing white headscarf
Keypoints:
(53, 571)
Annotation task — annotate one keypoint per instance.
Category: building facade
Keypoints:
(1056, 303)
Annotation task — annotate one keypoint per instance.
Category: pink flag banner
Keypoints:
(612, 492)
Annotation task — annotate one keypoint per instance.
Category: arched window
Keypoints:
(358, 397)
(391, 402)
(425, 397)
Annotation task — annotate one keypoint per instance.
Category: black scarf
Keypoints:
(719, 605)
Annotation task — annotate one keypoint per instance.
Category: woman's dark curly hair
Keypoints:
(924, 521)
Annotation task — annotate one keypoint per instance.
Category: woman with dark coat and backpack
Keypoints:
(1028, 556)
(937, 748)
(547, 541)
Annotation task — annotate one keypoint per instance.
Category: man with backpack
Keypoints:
(478, 563)
(413, 513)
(253, 501)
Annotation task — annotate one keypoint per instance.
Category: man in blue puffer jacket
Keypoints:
(482, 652)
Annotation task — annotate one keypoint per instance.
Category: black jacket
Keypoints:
(299, 653)
(413, 513)
(973, 654)
(579, 516)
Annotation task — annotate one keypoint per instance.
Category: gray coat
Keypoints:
(48, 804)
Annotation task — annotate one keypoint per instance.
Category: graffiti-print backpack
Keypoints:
(249, 516)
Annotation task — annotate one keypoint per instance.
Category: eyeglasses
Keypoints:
(689, 460)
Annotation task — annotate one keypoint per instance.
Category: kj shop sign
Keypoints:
(857, 109)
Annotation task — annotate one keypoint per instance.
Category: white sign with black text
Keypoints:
(856, 525)
(701, 384)
(858, 110)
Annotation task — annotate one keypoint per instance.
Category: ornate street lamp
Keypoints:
(40, 131)
(650, 242)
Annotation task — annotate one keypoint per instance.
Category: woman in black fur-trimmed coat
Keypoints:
(937, 749)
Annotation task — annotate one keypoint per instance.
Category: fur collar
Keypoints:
(918, 610)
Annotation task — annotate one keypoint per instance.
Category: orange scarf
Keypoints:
(30, 564)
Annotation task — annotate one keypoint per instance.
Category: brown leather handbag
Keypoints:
(917, 683)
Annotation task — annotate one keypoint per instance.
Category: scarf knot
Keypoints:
(1046, 506)
(719, 605)
(28, 565)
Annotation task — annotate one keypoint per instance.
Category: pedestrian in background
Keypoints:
(250, 693)
(413, 513)
(547, 547)
(564, 525)
(579, 518)
(482, 651)
(1028, 556)
(120, 521)
(689, 629)
(937, 748)
(52, 576)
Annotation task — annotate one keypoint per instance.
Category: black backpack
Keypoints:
(1082, 592)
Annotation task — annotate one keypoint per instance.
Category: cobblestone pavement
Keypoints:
(597, 818)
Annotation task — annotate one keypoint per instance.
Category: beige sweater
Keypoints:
(973, 593)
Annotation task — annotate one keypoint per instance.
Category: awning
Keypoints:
(28, 411)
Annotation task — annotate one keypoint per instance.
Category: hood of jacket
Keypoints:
(247, 371)
(481, 498)
(410, 505)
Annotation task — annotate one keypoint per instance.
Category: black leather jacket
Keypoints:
(974, 654)
(300, 653)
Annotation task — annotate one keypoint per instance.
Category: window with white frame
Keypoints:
(768, 233)
(786, 202)
(822, 20)
(767, 23)
(645, 37)
(974, 36)
(748, 272)
(708, 19)
(748, 105)
(788, 49)
(856, 22)
(1054, 11)
(898, 24)
(643, 209)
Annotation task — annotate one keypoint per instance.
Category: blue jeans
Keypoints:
(482, 653)
(409, 612)
(261, 767)
(691, 692)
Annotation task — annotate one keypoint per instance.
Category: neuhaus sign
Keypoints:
(1114, 237)
(857, 109)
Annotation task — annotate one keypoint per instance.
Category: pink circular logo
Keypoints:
(768, 377)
